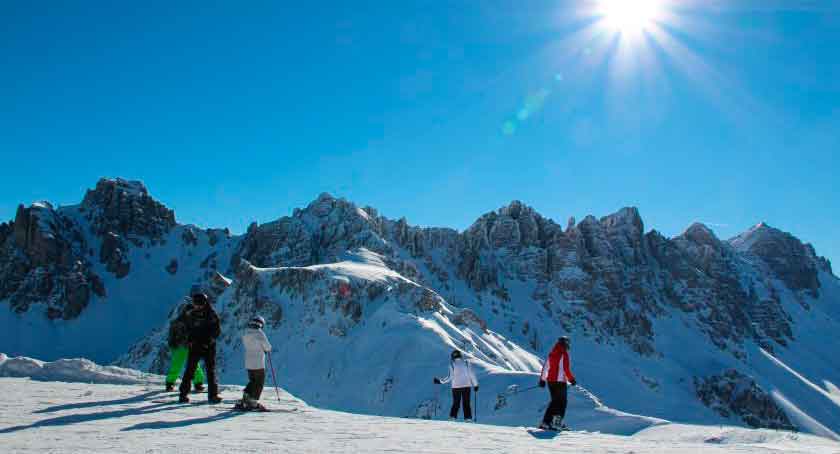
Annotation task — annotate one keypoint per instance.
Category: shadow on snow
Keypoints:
(78, 406)
(150, 409)
(183, 423)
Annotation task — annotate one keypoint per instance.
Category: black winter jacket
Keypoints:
(203, 327)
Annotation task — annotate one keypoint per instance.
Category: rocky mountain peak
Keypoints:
(759, 232)
(700, 234)
(125, 207)
(513, 226)
(790, 260)
(628, 216)
(320, 233)
(514, 209)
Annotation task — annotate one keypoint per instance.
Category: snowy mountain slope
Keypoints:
(723, 310)
(690, 329)
(357, 336)
(90, 279)
(77, 417)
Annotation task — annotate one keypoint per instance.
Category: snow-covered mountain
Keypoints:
(90, 279)
(363, 310)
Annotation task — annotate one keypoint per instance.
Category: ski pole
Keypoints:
(527, 389)
(273, 376)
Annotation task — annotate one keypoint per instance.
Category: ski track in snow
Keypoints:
(57, 417)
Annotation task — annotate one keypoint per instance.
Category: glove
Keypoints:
(475, 389)
(573, 382)
(437, 381)
(542, 383)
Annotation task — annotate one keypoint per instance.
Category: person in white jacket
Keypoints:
(256, 346)
(462, 378)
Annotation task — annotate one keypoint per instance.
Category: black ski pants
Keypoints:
(461, 395)
(256, 381)
(559, 399)
(206, 353)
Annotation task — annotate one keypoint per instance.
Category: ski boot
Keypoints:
(183, 399)
(170, 387)
(198, 387)
(248, 402)
(214, 399)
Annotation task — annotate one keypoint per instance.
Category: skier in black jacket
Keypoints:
(203, 327)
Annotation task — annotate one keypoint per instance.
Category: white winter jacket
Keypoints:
(461, 374)
(256, 345)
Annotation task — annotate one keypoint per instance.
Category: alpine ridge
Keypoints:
(363, 309)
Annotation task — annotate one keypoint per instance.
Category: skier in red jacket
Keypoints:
(557, 373)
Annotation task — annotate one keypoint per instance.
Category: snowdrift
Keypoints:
(72, 370)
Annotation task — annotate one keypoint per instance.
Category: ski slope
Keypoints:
(60, 417)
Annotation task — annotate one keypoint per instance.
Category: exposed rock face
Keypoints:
(706, 281)
(469, 317)
(189, 237)
(113, 256)
(125, 207)
(172, 267)
(734, 394)
(214, 235)
(42, 261)
(6, 230)
(320, 233)
(218, 283)
(37, 232)
(622, 277)
(794, 263)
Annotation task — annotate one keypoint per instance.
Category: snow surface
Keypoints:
(55, 417)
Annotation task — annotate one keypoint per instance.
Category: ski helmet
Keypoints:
(565, 341)
(455, 354)
(258, 321)
(200, 299)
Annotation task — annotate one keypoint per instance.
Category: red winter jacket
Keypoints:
(552, 372)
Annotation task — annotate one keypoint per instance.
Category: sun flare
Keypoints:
(629, 16)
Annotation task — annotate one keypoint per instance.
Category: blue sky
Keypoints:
(724, 112)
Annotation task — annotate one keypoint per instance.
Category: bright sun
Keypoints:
(629, 16)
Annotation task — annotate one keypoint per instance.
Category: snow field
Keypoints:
(60, 418)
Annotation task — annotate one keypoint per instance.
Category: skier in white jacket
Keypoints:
(256, 346)
(463, 378)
